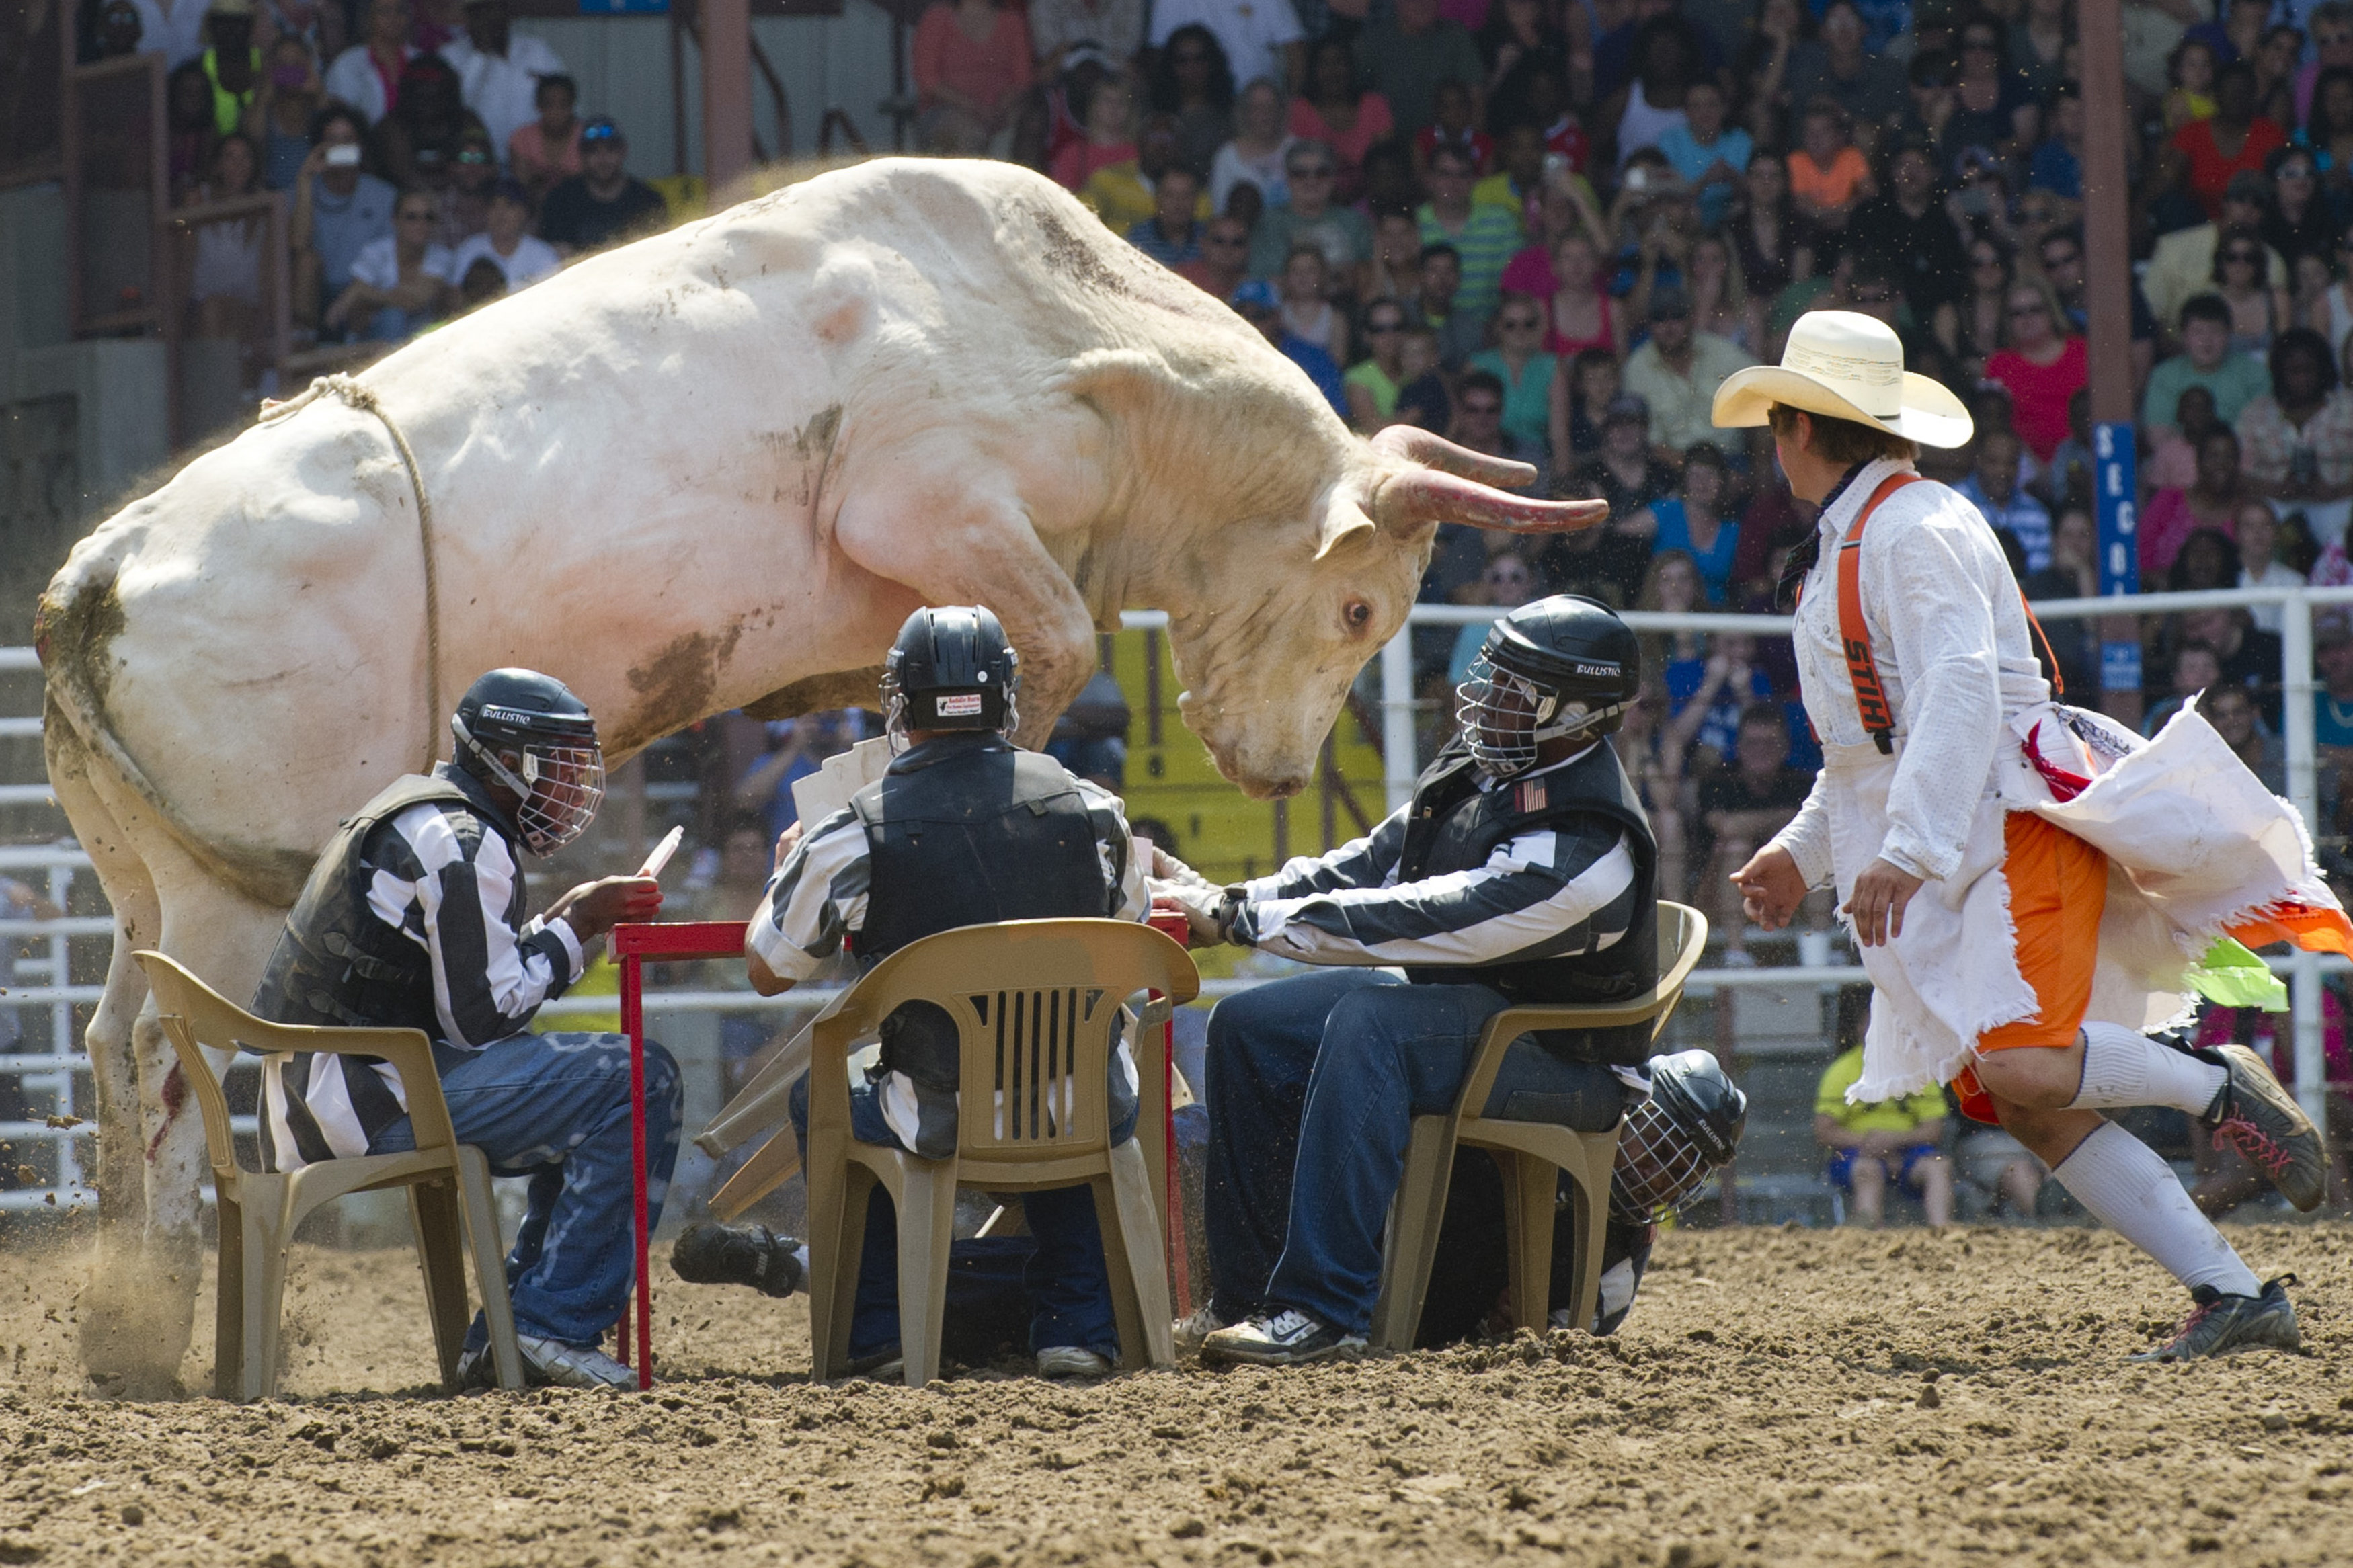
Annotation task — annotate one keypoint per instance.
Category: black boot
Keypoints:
(710, 1254)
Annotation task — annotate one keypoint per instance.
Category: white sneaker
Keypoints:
(1191, 1332)
(1288, 1338)
(1072, 1361)
(553, 1362)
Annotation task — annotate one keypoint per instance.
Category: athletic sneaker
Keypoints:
(2262, 1121)
(548, 1363)
(1192, 1333)
(710, 1253)
(2222, 1324)
(1072, 1361)
(1287, 1338)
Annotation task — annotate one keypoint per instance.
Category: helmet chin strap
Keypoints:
(505, 775)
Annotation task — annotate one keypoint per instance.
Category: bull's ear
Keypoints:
(1344, 523)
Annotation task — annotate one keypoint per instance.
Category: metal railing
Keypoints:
(56, 1069)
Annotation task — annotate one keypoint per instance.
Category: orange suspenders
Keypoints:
(1854, 634)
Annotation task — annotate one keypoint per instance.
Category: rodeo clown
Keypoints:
(414, 918)
(1520, 872)
(2032, 886)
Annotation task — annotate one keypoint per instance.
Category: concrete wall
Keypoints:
(623, 66)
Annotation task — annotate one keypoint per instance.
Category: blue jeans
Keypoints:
(1061, 1266)
(1314, 1082)
(556, 1108)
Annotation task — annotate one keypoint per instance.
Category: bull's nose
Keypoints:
(1283, 789)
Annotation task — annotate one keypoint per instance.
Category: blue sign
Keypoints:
(2119, 523)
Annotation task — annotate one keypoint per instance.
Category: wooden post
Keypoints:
(727, 94)
(2107, 272)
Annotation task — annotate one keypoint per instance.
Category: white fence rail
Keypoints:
(57, 1067)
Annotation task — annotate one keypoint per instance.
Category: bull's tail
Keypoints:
(74, 623)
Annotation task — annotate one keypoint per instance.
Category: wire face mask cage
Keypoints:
(559, 788)
(1660, 1165)
(1505, 717)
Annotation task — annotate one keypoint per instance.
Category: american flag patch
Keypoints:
(1529, 796)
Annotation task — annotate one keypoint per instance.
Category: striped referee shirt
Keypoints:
(1545, 893)
(448, 881)
(818, 899)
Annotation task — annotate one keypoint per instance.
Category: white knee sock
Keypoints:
(2123, 1067)
(2132, 1192)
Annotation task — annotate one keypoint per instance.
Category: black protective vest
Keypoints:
(962, 831)
(1454, 826)
(337, 963)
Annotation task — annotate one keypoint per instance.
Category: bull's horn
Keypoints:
(1431, 449)
(1421, 496)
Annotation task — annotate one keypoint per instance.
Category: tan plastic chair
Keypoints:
(1037, 1007)
(1529, 1153)
(259, 1210)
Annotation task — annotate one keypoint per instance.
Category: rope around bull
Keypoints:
(364, 399)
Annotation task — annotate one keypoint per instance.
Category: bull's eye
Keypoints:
(1359, 614)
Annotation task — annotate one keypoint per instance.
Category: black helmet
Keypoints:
(1691, 1123)
(558, 772)
(951, 670)
(1566, 665)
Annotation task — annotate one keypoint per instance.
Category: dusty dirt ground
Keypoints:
(1778, 1396)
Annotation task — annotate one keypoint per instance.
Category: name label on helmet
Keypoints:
(1606, 671)
(497, 715)
(960, 705)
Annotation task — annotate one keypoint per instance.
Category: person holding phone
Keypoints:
(339, 210)
(415, 917)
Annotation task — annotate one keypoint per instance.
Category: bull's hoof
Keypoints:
(137, 1314)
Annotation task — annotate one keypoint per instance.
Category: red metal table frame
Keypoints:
(633, 945)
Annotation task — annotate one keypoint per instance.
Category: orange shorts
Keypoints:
(2058, 890)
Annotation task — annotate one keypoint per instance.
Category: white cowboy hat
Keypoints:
(1849, 366)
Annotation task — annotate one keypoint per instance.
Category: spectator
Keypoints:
(1107, 110)
(1452, 128)
(2234, 139)
(1895, 1142)
(1395, 266)
(1653, 104)
(2275, 62)
(1992, 488)
(2002, 1165)
(232, 68)
(416, 142)
(1057, 28)
(1257, 303)
(2259, 565)
(2073, 573)
(2212, 500)
(1479, 425)
(1372, 385)
(1583, 385)
(1257, 152)
(1224, 260)
(2191, 72)
(1520, 34)
(1521, 368)
(2182, 265)
(2231, 710)
(2041, 368)
(1721, 305)
(1836, 66)
(1628, 469)
(367, 76)
(499, 73)
(2258, 309)
(2206, 563)
(507, 244)
(546, 151)
(2063, 268)
(1677, 372)
(2332, 48)
(1709, 155)
(2297, 440)
(1193, 83)
(971, 63)
(2249, 659)
(1742, 807)
(189, 135)
(1828, 176)
(478, 282)
(1774, 245)
(402, 284)
(1410, 50)
(1508, 583)
(603, 204)
(1261, 38)
(175, 28)
(1579, 312)
(1775, 38)
(119, 33)
(2038, 47)
(291, 97)
(2233, 381)
(2299, 221)
(1458, 332)
(1905, 233)
(224, 281)
(1518, 184)
(1993, 120)
(339, 211)
(1483, 237)
(1307, 309)
(2196, 669)
(1172, 235)
(2332, 705)
(1655, 769)
(1423, 399)
(1312, 217)
(1695, 522)
(1336, 110)
(1731, 681)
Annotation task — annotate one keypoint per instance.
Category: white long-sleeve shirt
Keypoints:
(1956, 658)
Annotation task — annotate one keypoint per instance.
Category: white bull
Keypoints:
(715, 468)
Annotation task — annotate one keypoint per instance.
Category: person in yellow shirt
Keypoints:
(1871, 1145)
